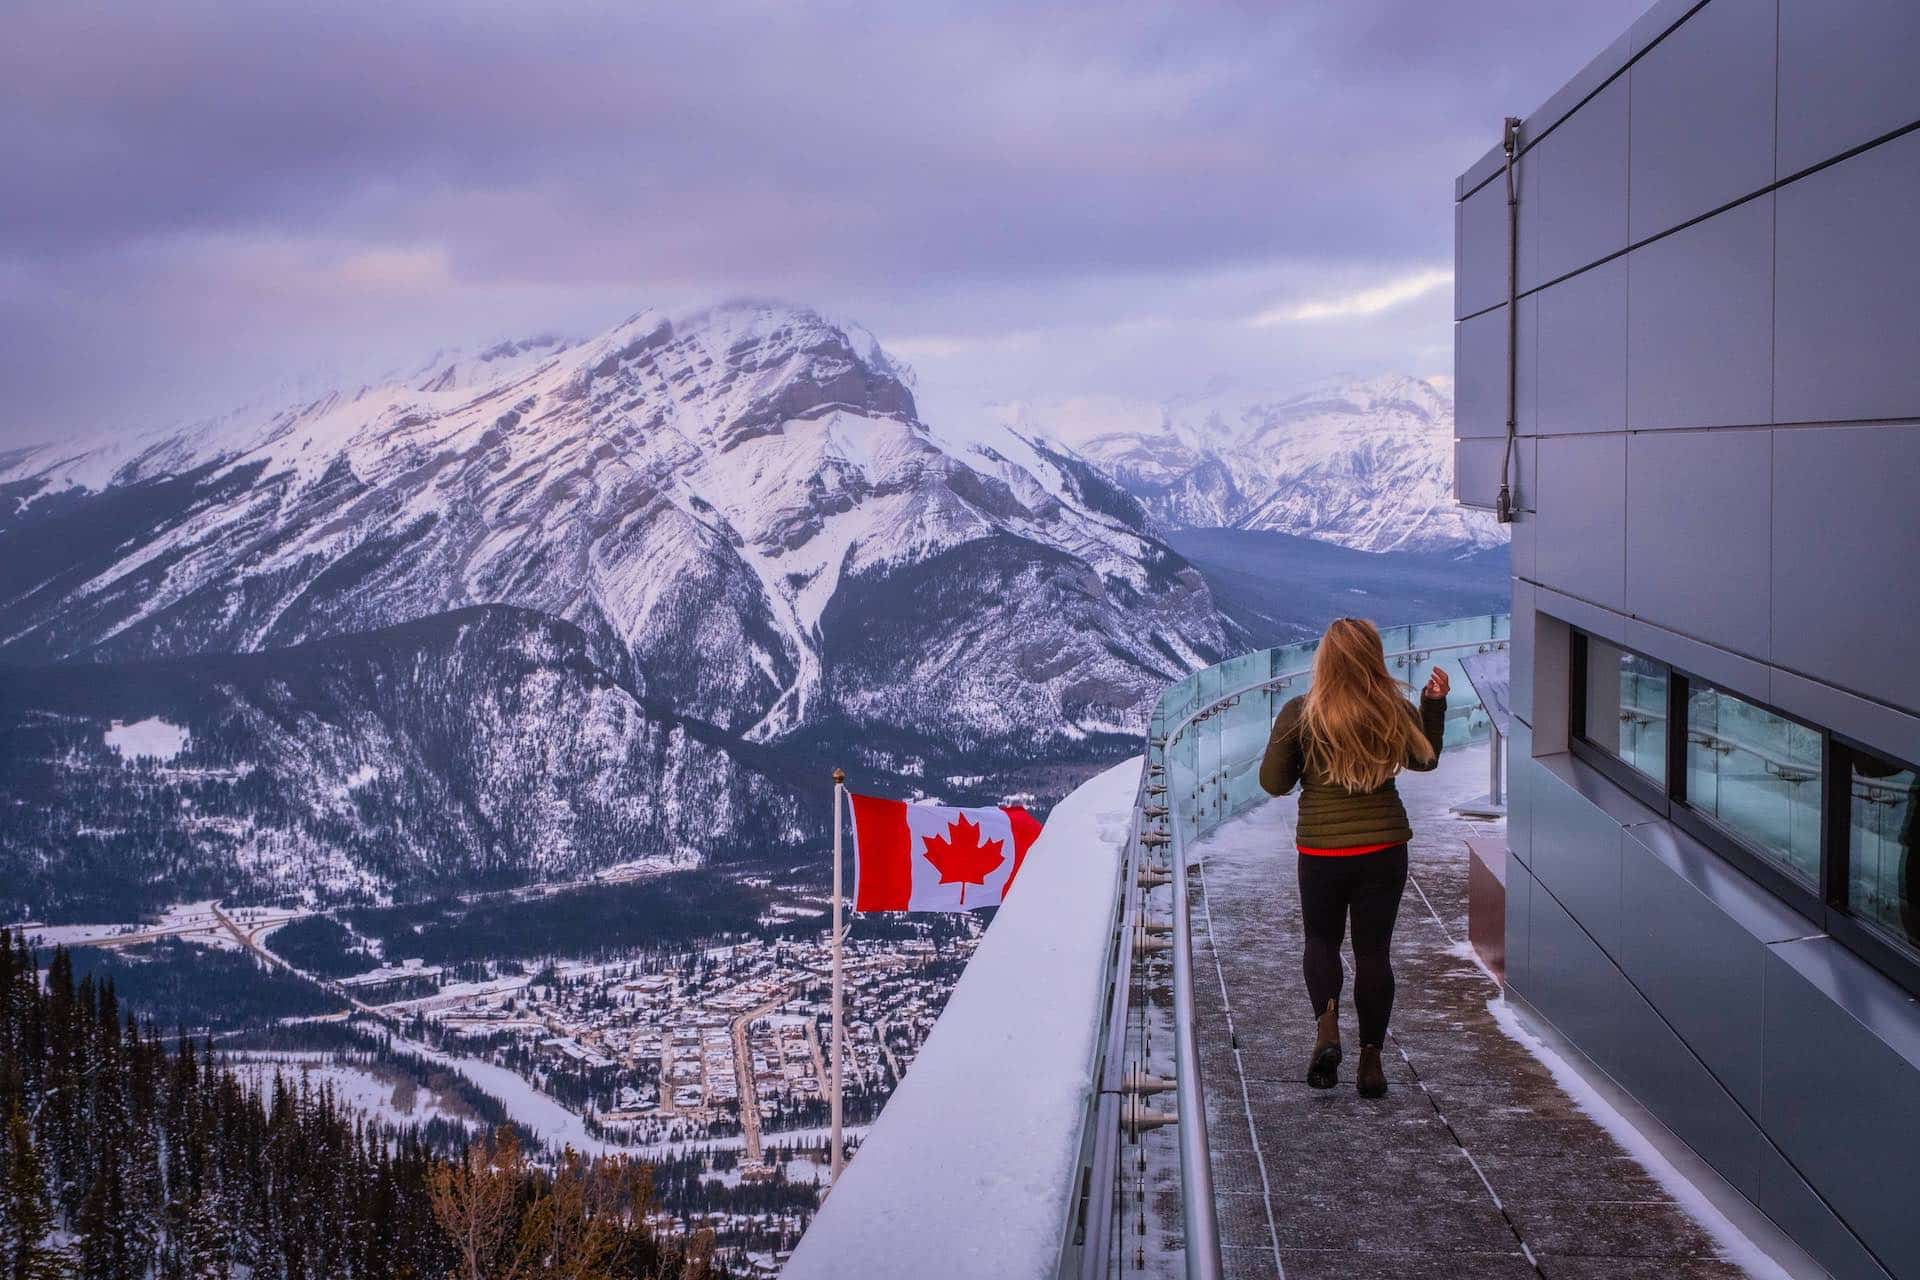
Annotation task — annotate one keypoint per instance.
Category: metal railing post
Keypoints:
(1198, 1213)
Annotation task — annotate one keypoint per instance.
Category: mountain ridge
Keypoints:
(1365, 463)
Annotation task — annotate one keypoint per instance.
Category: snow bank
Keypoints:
(150, 739)
(968, 1170)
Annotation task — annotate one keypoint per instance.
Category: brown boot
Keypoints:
(1323, 1070)
(1370, 1080)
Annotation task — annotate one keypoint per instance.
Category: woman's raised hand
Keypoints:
(1437, 685)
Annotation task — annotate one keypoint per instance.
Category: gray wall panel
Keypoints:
(1694, 964)
(1526, 379)
(1519, 906)
(1846, 541)
(1572, 981)
(1520, 655)
(1520, 791)
(1580, 864)
(1582, 352)
(1792, 1204)
(1520, 545)
(1698, 531)
(1552, 671)
(1476, 471)
(1581, 536)
(1860, 1143)
(1659, 18)
(1844, 82)
(1480, 375)
(1700, 316)
(1656, 1067)
(1753, 910)
(1579, 203)
(1737, 674)
(1848, 285)
(1702, 132)
(1480, 250)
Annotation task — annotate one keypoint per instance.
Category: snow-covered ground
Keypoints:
(529, 1108)
(194, 922)
(377, 1095)
(149, 739)
(1735, 1245)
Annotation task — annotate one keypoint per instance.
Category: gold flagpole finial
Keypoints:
(839, 775)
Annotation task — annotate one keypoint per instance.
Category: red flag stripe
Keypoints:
(1026, 829)
(882, 858)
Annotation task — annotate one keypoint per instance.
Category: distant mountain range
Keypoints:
(561, 605)
(1365, 463)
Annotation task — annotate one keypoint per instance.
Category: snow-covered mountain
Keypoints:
(739, 511)
(1366, 464)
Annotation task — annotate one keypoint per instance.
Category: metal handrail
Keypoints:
(1091, 1246)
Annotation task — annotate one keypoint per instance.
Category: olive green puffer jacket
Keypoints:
(1332, 817)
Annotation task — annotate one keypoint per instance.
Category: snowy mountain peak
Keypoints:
(696, 493)
(1381, 393)
(1363, 462)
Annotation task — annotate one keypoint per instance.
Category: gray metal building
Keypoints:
(1716, 601)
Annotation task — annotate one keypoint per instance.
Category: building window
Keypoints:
(1829, 827)
(1624, 707)
(1883, 835)
(1756, 774)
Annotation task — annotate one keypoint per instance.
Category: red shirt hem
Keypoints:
(1353, 851)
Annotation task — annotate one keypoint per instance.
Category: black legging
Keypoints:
(1369, 885)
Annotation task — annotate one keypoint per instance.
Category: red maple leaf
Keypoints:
(961, 857)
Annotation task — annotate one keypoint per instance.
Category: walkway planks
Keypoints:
(1477, 1164)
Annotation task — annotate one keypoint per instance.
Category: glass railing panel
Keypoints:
(1244, 726)
(1180, 788)
(1244, 731)
(1289, 658)
(1427, 635)
(1207, 739)
(1395, 640)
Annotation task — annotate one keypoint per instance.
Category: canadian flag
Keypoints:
(929, 857)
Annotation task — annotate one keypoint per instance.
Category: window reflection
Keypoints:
(1626, 707)
(1758, 775)
(1883, 830)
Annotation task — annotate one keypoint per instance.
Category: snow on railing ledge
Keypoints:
(962, 1173)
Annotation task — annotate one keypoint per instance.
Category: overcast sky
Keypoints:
(205, 203)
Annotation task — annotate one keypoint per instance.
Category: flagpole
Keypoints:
(836, 1160)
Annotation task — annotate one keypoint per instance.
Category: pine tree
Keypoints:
(29, 1216)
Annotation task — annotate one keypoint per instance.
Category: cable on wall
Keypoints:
(1510, 146)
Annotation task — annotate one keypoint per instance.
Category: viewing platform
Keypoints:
(1117, 1086)
(1479, 1162)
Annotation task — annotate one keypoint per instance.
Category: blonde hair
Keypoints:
(1355, 721)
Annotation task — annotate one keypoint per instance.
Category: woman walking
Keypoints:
(1342, 743)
